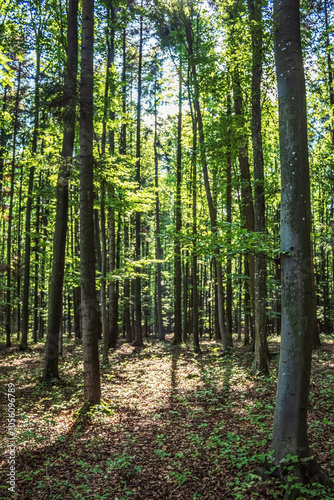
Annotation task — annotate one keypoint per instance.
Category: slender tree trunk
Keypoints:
(248, 304)
(226, 338)
(247, 208)
(229, 292)
(138, 316)
(59, 241)
(158, 252)
(103, 278)
(10, 215)
(290, 421)
(92, 388)
(26, 278)
(2, 144)
(19, 265)
(178, 223)
(123, 147)
(127, 290)
(194, 252)
(123, 128)
(103, 221)
(260, 363)
(36, 278)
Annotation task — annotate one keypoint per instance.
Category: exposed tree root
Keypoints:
(295, 473)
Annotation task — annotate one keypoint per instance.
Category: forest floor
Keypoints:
(172, 424)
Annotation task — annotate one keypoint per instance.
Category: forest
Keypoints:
(167, 249)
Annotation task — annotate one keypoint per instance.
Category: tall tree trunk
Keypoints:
(158, 252)
(10, 215)
(92, 388)
(247, 208)
(26, 278)
(2, 143)
(178, 222)
(225, 336)
(229, 292)
(109, 92)
(103, 277)
(290, 421)
(19, 263)
(138, 316)
(123, 147)
(59, 240)
(260, 363)
(194, 249)
(123, 128)
(127, 289)
(103, 290)
(36, 277)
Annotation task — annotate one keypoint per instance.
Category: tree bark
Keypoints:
(260, 363)
(59, 240)
(92, 388)
(178, 222)
(10, 215)
(225, 337)
(290, 420)
(229, 291)
(138, 316)
(158, 252)
(26, 278)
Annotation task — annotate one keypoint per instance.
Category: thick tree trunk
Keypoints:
(290, 421)
(59, 241)
(92, 388)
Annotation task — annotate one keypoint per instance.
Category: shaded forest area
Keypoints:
(166, 195)
(171, 425)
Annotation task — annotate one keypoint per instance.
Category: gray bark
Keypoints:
(290, 420)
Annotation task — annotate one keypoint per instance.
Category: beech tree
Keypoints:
(290, 421)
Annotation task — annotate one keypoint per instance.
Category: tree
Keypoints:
(260, 289)
(92, 388)
(138, 316)
(178, 224)
(225, 336)
(290, 421)
(38, 31)
(158, 251)
(59, 242)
